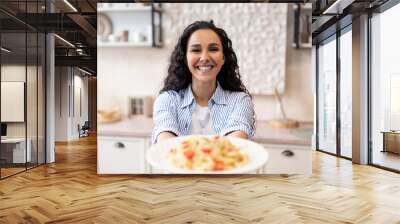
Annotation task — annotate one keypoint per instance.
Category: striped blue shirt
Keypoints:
(229, 111)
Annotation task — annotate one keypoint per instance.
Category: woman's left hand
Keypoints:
(239, 134)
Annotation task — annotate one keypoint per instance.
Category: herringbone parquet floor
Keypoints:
(70, 191)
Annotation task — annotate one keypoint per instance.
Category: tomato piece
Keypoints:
(189, 154)
(206, 150)
(219, 165)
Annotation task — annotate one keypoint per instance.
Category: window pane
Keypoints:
(327, 97)
(386, 89)
(345, 94)
(13, 87)
(31, 100)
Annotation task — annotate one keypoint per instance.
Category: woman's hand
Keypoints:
(165, 135)
(239, 134)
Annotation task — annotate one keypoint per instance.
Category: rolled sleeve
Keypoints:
(241, 119)
(165, 115)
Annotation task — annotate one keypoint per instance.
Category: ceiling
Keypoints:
(326, 21)
(76, 25)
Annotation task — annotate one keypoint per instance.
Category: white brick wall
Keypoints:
(257, 31)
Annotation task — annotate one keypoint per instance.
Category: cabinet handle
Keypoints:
(288, 153)
(120, 145)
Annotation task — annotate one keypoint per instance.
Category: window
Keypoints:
(346, 93)
(22, 76)
(385, 88)
(327, 96)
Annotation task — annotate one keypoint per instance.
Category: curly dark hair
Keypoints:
(179, 76)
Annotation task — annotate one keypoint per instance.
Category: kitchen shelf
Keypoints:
(302, 20)
(136, 20)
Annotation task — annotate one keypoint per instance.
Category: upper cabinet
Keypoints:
(129, 25)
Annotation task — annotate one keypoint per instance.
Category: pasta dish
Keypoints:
(206, 154)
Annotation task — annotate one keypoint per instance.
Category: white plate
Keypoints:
(157, 157)
(104, 25)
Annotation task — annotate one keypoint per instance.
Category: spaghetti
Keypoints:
(206, 154)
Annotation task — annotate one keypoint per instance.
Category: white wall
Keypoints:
(61, 103)
(80, 110)
(33, 126)
(124, 72)
(67, 80)
(17, 73)
(14, 73)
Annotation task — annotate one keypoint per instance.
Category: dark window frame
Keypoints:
(30, 30)
(342, 27)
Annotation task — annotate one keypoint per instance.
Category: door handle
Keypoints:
(119, 145)
(288, 153)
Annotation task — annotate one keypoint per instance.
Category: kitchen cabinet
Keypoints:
(122, 155)
(127, 155)
(288, 153)
(288, 159)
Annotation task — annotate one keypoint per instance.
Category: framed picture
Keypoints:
(302, 25)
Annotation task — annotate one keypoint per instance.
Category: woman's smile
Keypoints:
(205, 68)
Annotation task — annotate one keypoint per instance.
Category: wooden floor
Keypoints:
(70, 191)
(10, 171)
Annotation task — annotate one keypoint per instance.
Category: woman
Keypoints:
(203, 92)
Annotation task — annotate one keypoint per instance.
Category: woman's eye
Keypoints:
(214, 49)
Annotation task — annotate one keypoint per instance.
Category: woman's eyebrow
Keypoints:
(210, 45)
(195, 45)
(214, 45)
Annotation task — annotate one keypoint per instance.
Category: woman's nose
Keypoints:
(204, 56)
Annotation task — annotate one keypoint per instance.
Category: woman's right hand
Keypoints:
(165, 135)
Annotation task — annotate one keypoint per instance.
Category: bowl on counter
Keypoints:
(109, 116)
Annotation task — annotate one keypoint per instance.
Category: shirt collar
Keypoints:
(218, 97)
(188, 97)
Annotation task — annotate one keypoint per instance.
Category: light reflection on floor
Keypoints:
(386, 159)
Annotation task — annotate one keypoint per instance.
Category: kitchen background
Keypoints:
(262, 36)
(134, 44)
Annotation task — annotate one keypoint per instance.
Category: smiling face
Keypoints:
(204, 55)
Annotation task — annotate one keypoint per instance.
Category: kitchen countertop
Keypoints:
(141, 126)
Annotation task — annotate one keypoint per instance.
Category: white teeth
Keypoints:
(205, 68)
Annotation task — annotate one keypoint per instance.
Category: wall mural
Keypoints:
(257, 30)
